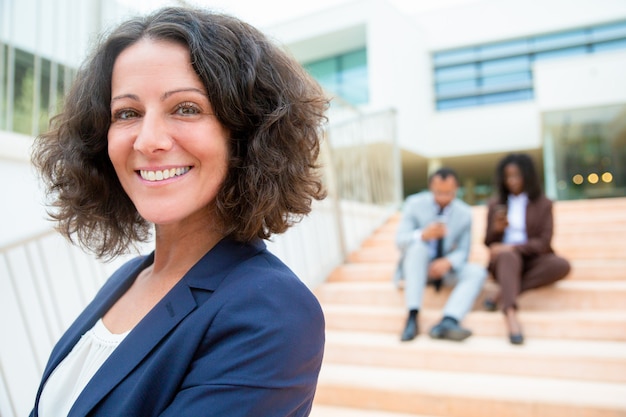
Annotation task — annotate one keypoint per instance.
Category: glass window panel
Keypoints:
(560, 53)
(60, 88)
(500, 49)
(559, 40)
(457, 72)
(586, 141)
(455, 56)
(44, 95)
(507, 96)
(353, 78)
(508, 81)
(23, 92)
(357, 59)
(325, 72)
(506, 65)
(609, 46)
(345, 75)
(3, 83)
(458, 88)
(355, 92)
(457, 103)
(610, 31)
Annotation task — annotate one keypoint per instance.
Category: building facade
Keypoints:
(472, 82)
(42, 43)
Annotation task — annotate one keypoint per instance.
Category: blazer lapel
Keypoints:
(115, 286)
(175, 306)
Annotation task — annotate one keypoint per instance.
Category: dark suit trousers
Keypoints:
(516, 273)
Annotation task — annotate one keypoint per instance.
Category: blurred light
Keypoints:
(577, 179)
(593, 178)
(561, 185)
(607, 177)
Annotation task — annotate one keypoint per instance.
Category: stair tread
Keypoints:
(483, 345)
(330, 411)
(476, 385)
(578, 285)
(366, 310)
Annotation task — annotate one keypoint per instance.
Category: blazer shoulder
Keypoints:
(420, 198)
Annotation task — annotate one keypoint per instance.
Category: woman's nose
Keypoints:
(153, 135)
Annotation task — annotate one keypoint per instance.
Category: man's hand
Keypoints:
(436, 230)
(438, 268)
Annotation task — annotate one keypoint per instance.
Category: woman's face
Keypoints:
(513, 179)
(169, 151)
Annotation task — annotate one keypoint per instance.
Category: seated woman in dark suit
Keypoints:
(519, 234)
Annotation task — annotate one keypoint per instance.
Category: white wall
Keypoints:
(582, 81)
(21, 211)
(476, 130)
(400, 73)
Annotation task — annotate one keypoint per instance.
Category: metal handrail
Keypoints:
(24, 241)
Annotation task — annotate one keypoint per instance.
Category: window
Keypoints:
(344, 75)
(502, 71)
(589, 151)
(3, 85)
(23, 93)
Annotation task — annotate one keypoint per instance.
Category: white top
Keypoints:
(71, 376)
(515, 232)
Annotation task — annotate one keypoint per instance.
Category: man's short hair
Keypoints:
(444, 173)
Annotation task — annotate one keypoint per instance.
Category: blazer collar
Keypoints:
(205, 275)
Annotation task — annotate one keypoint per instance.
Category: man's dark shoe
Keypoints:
(410, 330)
(448, 329)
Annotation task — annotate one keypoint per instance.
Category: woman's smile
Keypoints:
(163, 174)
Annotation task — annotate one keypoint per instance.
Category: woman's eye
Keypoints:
(187, 109)
(124, 114)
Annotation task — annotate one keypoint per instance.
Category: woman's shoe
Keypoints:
(490, 305)
(516, 339)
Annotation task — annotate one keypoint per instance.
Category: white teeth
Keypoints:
(164, 174)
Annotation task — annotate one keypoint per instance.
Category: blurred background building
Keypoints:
(467, 81)
(472, 81)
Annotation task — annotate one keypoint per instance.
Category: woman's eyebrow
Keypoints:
(123, 96)
(182, 90)
(164, 96)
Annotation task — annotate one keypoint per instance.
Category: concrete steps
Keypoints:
(591, 360)
(571, 325)
(582, 269)
(572, 364)
(447, 393)
(604, 295)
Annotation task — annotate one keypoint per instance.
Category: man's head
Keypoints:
(444, 184)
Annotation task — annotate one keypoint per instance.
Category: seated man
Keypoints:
(434, 237)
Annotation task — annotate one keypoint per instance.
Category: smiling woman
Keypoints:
(195, 125)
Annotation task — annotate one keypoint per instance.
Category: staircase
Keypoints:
(573, 362)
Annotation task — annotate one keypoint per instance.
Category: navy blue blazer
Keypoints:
(239, 335)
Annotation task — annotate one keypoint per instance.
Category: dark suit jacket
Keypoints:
(239, 335)
(539, 227)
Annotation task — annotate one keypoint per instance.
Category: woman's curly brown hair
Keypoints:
(272, 108)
